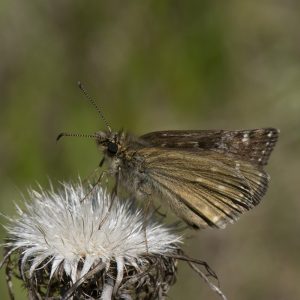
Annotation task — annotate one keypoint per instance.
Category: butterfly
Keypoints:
(207, 177)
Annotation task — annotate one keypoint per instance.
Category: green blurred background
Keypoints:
(154, 65)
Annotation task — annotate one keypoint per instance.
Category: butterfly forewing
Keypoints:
(254, 145)
(205, 188)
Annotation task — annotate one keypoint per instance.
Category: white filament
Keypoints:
(58, 225)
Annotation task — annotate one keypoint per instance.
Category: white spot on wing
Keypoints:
(270, 134)
(221, 187)
(245, 138)
(215, 219)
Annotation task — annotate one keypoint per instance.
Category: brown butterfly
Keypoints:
(208, 177)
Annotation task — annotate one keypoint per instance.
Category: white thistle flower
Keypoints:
(81, 249)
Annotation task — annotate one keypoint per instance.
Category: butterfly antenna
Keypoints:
(91, 136)
(80, 85)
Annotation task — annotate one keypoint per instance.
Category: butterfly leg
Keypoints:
(101, 162)
(116, 186)
(103, 173)
(94, 171)
(144, 191)
(113, 196)
(145, 223)
(156, 209)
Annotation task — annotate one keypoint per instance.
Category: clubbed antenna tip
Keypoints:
(59, 136)
(79, 84)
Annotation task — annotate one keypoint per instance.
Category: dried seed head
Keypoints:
(65, 247)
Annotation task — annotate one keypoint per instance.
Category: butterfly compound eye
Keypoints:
(112, 148)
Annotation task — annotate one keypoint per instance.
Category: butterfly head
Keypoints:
(108, 141)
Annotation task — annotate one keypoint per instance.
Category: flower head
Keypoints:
(92, 248)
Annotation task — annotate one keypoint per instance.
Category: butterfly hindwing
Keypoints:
(205, 190)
